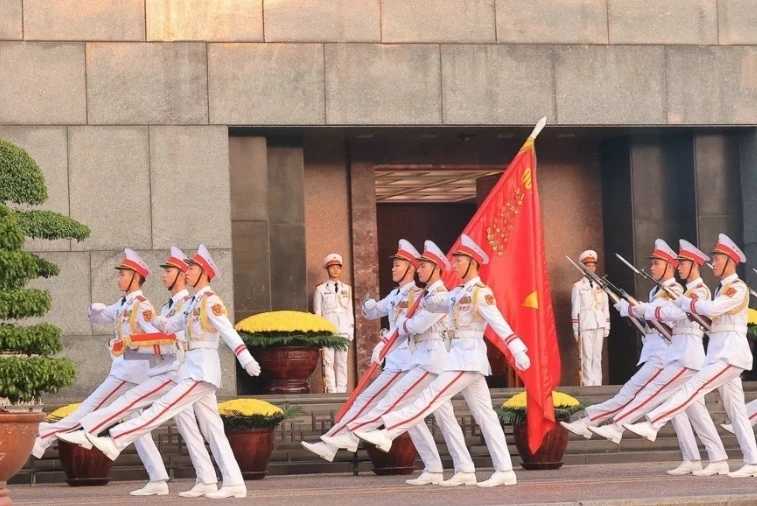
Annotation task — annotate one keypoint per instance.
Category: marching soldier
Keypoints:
(397, 303)
(425, 332)
(684, 358)
(590, 314)
(205, 323)
(163, 376)
(132, 314)
(751, 411)
(471, 307)
(728, 355)
(333, 301)
(653, 352)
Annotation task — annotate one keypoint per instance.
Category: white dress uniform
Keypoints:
(393, 306)
(205, 323)
(728, 355)
(471, 307)
(132, 314)
(333, 301)
(425, 331)
(590, 317)
(163, 376)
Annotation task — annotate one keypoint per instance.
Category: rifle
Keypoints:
(702, 321)
(611, 290)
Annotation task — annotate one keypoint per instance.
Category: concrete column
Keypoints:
(748, 162)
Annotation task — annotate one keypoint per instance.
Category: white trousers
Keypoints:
(751, 411)
(598, 413)
(473, 386)
(335, 363)
(108, 391)
(591, 356)
(672, 378)
(367, 400)
(405, 391)
(142, 396)
(724, 377)
(188, 392)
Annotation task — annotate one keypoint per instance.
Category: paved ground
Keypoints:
(634, 484)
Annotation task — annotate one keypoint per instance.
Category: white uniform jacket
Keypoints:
(427, 330)
(590, 308)
(336, 307)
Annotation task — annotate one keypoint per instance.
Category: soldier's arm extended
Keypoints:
(730, 299)
(487, 308)
(218, 317)
(100, 313)
(373, 310)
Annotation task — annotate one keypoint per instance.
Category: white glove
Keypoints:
(684, 303)
(252, 367)
(376, 355)
(522, 362)
(399, 325)
(575, 336)
(159, 322)
(607, 332)
(622, 307)
(97, 307)
(369, 305)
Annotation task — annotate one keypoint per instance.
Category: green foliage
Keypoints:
(17, 268)
(45, 268)
(517, 416)
(21, 180)
(24, 379)
(313, 339)
(40, 339)
(751, 332)
(11, 235)
(242, 422)
(23, 303)
(50, 225)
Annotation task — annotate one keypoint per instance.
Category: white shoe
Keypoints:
(500, 478)
(579, 427)
(460, 479)
(686, 467)
(379, 438)
(152, 488)
(323, 450)
(713, 468)
(728, 427)
(643, 429)
(610, 432)
(39, 448)
(745, 472)
(199, 490)
(76, 438)
(105, 445)
(346, 440)
(237, 491)
(427, 479)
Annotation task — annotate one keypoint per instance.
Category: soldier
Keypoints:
(333, 301)
(751, 411)
(653, 353)
(425, 333)
(471, 307)
(163, 376)
(132, 314)
(397, 303)
(204, 323)
(684, 358)
(728, 355)
(590, 313)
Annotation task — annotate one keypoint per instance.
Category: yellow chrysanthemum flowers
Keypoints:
(752, 317)
(62, 412)
(285, 321)
(248, 407)
(559, 400)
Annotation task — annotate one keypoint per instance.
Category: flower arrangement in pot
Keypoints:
(287, 344)
(28, 367)
(82, 467)
(249, 425)
(550, 453)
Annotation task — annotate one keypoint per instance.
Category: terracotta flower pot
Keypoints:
(399, 460)
(287, 369)
(17, 433)
(84, 467)
(252, 448)
(550, 453)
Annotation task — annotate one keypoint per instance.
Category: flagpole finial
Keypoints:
(538, 128)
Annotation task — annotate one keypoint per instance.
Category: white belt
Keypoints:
(689, 332)
(427, 336)
(335, 311)
(463, 334)
(728, 328)
(193, 345)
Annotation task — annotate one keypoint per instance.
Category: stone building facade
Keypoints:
(257, 126)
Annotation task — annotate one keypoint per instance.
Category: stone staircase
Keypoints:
(290, 458)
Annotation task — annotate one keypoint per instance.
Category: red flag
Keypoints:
(508, 226)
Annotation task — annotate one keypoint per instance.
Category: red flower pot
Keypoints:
(287, 369)
(17, 433)
(550, 453)
(252, 448)
(84, 467)
(399, 460)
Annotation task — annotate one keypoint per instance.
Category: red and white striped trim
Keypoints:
(151, 420)
(428, 255)
(394, 404)
(509, 339)
(722, 248)
(657, 392)
(464, 250)
(693, 307)
(99, 405)
(658, 313)
(690, 255)
(406, 255)
(239, 349)
(683, 405)
(368, 403)
(608, 414)
(127, 263)
(199, 260)
(664, 255)
(421, 413)
(129, 406)
(178, 263)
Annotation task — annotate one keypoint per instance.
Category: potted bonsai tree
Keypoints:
(287, 344)
(249, 426)
(27, 366)
(550, 453)
(82, 467)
